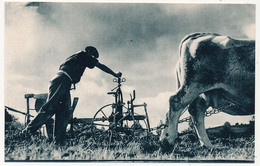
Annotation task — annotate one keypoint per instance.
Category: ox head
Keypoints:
(169, 132)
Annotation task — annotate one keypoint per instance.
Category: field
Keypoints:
(228, 148)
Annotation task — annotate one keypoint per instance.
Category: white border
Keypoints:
(257, 161)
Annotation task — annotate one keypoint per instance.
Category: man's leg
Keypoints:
(59, 87)
(62, 118)
(49, 124)
(49, 128)
(45, 113)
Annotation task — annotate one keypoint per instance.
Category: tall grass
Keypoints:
(83, 147)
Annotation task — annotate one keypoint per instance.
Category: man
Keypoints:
(59, 99)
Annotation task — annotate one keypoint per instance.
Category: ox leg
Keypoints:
(197, 110)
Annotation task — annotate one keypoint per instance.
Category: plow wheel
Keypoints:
(139, 126)
(111, 129)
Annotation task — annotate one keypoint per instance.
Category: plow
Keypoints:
(113, 122)
(117, 121)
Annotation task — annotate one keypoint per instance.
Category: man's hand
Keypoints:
(119, 74)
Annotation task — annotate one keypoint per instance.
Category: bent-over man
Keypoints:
(59, 98)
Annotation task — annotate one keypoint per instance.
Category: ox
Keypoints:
(216, 71)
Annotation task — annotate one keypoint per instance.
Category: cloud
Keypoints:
(140, 40)
(29, 42)
(18, 77)
(249, 30)
(157, 106)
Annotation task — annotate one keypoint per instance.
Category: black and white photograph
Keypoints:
(129, 82)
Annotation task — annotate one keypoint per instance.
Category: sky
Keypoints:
(140, 40)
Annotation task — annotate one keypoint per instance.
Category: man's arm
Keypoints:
(108, 70)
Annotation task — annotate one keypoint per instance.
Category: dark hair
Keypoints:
(92, 51)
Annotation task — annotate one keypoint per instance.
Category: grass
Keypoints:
(85, 148)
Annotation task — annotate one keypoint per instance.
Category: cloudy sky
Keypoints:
(140, 40)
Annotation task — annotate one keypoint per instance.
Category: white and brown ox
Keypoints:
(216, 71)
